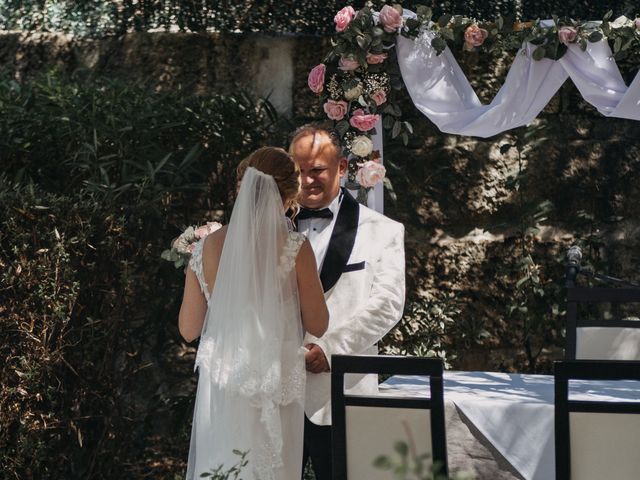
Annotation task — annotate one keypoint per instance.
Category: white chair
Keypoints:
(601, 339)
(366, 427)
(596, 440)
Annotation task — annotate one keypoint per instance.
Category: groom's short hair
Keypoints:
(315, 129)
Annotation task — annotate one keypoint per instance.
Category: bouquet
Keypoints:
(183, 246)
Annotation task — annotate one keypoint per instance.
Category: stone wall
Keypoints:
(469, 226)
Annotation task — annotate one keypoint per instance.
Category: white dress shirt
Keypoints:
(319, 230)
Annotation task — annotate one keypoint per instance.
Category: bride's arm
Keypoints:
(193, 309)
(315, 315)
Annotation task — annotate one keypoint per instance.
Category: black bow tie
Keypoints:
(306, 213)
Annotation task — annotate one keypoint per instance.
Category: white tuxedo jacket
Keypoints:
(363, 276)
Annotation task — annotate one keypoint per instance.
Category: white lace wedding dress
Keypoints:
(250, 359)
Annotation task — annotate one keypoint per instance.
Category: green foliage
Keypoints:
(116, 17)
(232, 473)
(407, 464)
(119, 143)
(98, 178)
(426, 329)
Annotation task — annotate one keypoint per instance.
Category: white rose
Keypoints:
(353, 92)
(361, 146)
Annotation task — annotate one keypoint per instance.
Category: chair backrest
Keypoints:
(366, 427)
(597, 439)
(601, 339)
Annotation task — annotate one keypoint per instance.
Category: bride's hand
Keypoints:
(315, 359)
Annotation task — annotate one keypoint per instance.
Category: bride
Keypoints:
(251, 291)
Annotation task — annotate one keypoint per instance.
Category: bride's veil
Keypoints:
(251, 339)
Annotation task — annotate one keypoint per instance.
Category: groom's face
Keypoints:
(321, 168)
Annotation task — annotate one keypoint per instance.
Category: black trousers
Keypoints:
(317, 447)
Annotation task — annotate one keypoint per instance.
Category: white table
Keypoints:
(514, 412)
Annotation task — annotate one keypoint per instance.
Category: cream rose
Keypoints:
(370, 174)
(361, 146)
(353, 92)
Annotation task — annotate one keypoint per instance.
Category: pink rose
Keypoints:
(474, 36)
(636, 22)
(379, 96)
(567, 35)
(347, 64)
(316, 78)
(191, 247)
(343, 18)
(336, 110)
(205, 230)
(362, 121)
(375, 58)
(391, 18)
(370, 174)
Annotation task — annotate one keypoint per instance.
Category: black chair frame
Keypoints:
(585, 370)
(393, 365)
(585, 295)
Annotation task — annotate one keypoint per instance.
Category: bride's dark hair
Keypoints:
(279, 164)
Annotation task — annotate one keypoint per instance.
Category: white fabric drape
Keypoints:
(440, 90)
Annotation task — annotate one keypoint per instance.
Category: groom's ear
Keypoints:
(342, 166)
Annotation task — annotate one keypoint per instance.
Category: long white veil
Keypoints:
(250, 359)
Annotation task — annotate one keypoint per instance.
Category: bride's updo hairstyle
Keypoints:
(279, 164)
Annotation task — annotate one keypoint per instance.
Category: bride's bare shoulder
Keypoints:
(214, 241)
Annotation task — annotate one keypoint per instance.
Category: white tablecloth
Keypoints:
(513, 411)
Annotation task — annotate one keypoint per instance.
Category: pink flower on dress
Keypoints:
(474, 36)
(379, 96)
(191, 247)
(376, 58)
(391, 18)
(316, 78)
(636, 22)
(370, 174)
(335, 110)
(348, 64)
(343, 18)
(567, 35)
(363, 121)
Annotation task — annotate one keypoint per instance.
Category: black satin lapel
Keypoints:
(342, 240)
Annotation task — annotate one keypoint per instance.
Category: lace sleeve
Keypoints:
(291, 249)
(195, 264)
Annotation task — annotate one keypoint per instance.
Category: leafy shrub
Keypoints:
(103, 18)
(98, 178)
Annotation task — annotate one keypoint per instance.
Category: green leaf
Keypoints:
(424, 12)
(382, 462)
(617, 44)
(397, 128)
(387, 121)
(595, 36)
(539, 53)
(408, 127)
(401, 448)
(443, 21)
(447, 34)
(607, 15)
(505, 147)
(438, 44)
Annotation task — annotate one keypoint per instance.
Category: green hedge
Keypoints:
(97, 179)
(302, 16)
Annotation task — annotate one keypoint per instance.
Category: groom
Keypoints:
(360, 257)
